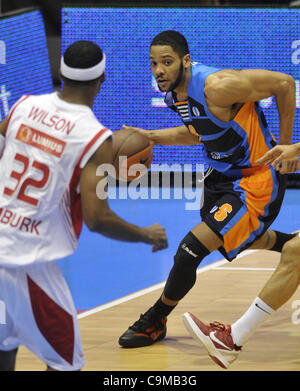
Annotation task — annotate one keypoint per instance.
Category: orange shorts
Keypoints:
(241, 210)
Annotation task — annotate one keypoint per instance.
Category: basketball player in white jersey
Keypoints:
(51, 146)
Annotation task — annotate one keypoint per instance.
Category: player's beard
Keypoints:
(178, 80)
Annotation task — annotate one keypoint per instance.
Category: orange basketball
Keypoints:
(132, 154)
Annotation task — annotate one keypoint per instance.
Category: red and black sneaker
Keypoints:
(148, 329)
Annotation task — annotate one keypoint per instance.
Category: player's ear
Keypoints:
(102, 78)
(186, 60)
(61, 78)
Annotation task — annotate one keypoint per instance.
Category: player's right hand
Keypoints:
(286, 154)
(156, 235)
(279, 154)
(146, 133)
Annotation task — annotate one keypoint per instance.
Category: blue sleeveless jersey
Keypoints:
(232, 147)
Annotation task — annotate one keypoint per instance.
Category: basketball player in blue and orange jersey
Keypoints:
(219, 108)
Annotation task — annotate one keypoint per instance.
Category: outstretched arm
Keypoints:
(179, 135)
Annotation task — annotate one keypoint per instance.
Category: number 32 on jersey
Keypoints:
(22, 185)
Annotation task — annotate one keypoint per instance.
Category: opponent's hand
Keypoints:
(156, 235)
(146, 133)
(287, 155)
(287, 166)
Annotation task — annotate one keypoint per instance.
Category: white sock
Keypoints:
(243, 328)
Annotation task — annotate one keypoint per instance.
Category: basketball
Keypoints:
(132, 154)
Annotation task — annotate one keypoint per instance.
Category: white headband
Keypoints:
(83, 74)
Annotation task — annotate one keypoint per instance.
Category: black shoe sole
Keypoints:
(127, 343)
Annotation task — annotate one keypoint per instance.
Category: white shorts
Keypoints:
(37, 311)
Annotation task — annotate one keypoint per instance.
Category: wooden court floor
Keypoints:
(221, 293)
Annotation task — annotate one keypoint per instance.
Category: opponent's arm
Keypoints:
(100, 218)
(3, 125)
(179, 135)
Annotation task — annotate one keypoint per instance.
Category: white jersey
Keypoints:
(48, 142)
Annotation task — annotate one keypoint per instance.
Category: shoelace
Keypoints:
(220, 326)
(144, 320)
(227, 329)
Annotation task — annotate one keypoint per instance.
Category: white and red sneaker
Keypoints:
(216, 338)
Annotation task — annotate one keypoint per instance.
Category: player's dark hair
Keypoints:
(82, 54)
(174, 39)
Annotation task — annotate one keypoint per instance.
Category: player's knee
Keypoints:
(190, 252)
(282, 239)
(291, 253)
(8, 360)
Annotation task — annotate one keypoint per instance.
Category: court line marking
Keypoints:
(214, 265)
(245, 268)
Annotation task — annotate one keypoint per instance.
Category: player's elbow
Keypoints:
(98, 222)
(92, 224)
(290, 80)
(287, 84)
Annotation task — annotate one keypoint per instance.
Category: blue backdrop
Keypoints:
(24, 62)
(225, 38)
